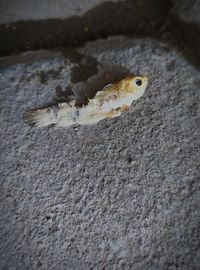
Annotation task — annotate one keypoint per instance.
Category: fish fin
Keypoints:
(107, 86)
(101, 92)
(39, 117)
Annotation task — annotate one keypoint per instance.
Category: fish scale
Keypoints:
(108, 103)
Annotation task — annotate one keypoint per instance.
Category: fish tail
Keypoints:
(62, 115)
(39, 117)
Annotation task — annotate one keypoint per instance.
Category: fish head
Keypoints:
(137, 85)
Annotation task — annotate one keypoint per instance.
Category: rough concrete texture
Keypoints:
(138, 17)
(122, 194)
(12, 11)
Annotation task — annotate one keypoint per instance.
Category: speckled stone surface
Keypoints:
(122, 194)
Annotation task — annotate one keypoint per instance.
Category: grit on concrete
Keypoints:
(122, 194)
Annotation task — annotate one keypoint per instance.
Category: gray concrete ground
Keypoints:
(122, 194)
(21, 10)
(12, 11)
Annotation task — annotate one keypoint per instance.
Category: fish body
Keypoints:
(108, 103)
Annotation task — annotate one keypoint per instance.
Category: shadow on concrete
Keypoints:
(139, 18)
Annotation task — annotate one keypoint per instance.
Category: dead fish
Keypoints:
(110, 102)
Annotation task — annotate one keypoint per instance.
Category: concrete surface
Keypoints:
(20, 10)
(188, 10)
(122, 194)
(30, 25)
(46, 27)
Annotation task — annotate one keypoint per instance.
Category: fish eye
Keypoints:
(138, 82)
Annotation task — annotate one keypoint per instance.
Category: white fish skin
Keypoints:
(108, 103)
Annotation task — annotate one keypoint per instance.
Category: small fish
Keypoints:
(110, 102)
